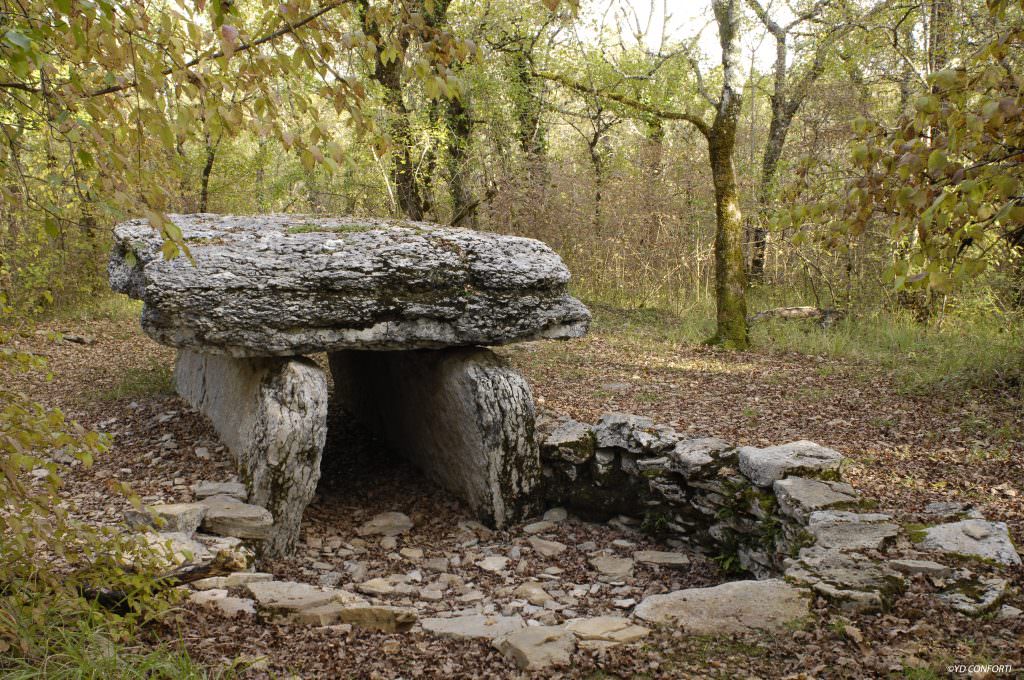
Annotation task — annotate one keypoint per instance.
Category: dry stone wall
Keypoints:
(776, 511)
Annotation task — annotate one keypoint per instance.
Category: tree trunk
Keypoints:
(204, 180)
(730, 270)
(460, 128)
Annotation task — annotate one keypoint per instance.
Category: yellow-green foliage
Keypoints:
(49, 559)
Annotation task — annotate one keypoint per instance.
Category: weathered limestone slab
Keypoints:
(282, 285)
(481, 626)
(735, 607)
(804, 458)
(461, 415)
(272, 415)
(798, 496)
(538, 647)
(974, 537)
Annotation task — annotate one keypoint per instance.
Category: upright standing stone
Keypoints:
(272, 415)
(461, 415)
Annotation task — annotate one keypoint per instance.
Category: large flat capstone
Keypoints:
(282, 285)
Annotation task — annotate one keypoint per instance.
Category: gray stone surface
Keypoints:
(538, 647)
(281, 285)
(205, 489)
(174, 517)
(461, 415)
(698, 457)
(850, 580)
(570, 441)
(975, 596)
(804, 458)
(635, 434)
(227, 516)
(608, 629)
(852, 531)
(386, 524)
(798, 497)
(272, 415)
(662, 558)
(736, 607)
(479, 626)
(973, 537)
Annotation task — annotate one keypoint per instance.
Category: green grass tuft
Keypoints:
(153, 380)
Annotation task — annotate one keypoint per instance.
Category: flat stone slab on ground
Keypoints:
(973, 537)
(608, 629)
(227, 516)
(538, 647)
(281, 285)
(854, 582)
(482, 626)
(662, 558)
(735, 607)
(175, 517)
(386, 524)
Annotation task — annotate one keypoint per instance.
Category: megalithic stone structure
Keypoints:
(405, 311)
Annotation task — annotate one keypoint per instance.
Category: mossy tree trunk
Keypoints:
(730, 270)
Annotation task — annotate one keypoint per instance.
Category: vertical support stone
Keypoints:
(272, 415)
(461, 415)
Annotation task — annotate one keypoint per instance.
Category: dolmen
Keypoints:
(405, 312)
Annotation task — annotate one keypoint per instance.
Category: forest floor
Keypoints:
(907, 448)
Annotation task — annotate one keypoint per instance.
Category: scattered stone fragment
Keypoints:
(411, 553)
(532, 592)
(734, 607)
(764, 466)
(230, 551)
(281, 599)
(436, 564)
(975, 596)
(206, 489)
(376, 586)
(539, 527)
(608, 628)
(798, 497)
(537, 647)
(487, 627)
(493, 563)
(662, 558)
(218, 601)
(612, 568)
(546, 548)
(1009, 613)
(241, 578)
(926, 567)
(386, 524)
(972, 537)
(556, 515)
(210, 583)
(382, 618)
(173, 517)
(176, 548)
(321, 615)
(228, 516)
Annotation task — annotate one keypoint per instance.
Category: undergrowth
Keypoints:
(974, 347)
